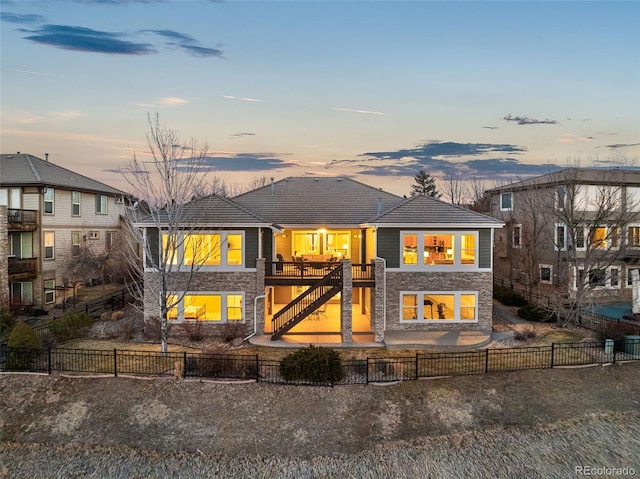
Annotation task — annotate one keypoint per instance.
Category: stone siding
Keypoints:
(482, 282)
(4, 251)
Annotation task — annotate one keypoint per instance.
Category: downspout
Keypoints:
(255, 312)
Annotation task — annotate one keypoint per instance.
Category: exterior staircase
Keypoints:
(305, 304)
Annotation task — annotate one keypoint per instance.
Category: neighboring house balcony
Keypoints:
(22, 220)
(22, 268)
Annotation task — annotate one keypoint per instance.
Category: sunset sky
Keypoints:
(373, 90)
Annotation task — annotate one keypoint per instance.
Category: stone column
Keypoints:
(378, 301)
(4, 258)
(346, 302)
(260, 288)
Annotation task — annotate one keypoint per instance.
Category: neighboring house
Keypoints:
(578, 228)
(51, 215)
(332, 257)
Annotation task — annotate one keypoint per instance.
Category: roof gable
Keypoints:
(425, 210)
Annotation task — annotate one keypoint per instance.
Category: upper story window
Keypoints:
(506, 201)
(633, 236)
(75, 203)
(516, 236)
(49, 245)
(101, 204)
(49, 196)
(11, 197)
(428, 250)
(561, 195)
(204, 249)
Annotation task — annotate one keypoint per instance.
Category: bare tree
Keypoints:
(165, 179)
(454, 188)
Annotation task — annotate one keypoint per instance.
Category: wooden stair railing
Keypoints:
(306, 303)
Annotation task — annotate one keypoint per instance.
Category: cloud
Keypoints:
(229, 97)
(360, 111)
(435, 149)
(64, 115)
(569, 138)
(525, 120)
(170, 100)
(238, 135)
(23, 18)
(186, 43)
(28, 117)
(621, 145)
(88, 40)
(246, 162)
(490, 127)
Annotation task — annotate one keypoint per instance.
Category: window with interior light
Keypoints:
(430, 250)
(205, 249)
(439, 306)
(206, 306)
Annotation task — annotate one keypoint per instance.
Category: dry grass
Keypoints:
(538, 452)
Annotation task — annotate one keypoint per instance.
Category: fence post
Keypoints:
(115, 363)
(416, 366)
(614, 351)
(86, 308)
(49, 361)
(367, 375)
(184, 366)
(486, 361)
(257, 368)
(553, 349)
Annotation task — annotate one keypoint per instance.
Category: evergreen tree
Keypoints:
(424, 185)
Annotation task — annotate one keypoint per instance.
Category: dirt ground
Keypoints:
(494, 425)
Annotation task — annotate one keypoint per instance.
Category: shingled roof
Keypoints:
(317, 201)
(21, 169)
(427, 210)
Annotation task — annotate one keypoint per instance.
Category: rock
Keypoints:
(237, 342)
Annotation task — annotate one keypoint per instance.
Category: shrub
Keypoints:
(525, 333)
(22, 347)
(106, 316)
(194, 330)
(7, 321)
(615, 330)
(531, 312)
(231, 331)
(128, 328)
(313, 364)
(508, 297)
(117, 315)
(70, 326)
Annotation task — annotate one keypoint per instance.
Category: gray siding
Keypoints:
(251, 247)
(389, 246)
(484, 253)
(267, 244)
(153, 239)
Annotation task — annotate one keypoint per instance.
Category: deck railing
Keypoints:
(22, 265)
(26, 217)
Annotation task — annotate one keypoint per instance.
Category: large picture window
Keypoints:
(439, 306)
(434, 250)
(207, 306)
(205, 249)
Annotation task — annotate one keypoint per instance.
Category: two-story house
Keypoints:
(50, 214)
(572, 231)
(332, 258)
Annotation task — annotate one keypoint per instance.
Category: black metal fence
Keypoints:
(353, 371)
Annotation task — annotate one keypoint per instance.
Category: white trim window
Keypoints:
(580, 242)
(506, 201)
(560, 237)
(49, 245)
(630, 277)
(561, 196)
(438, 307)
(207, 306)
(516, 236)
(613, 277)
(76, 197)
(205, 250)
(439, 250)
(49, 198)
(546, 273)
(75, 243)
(633, 236)
(101, 204)
(49, 291)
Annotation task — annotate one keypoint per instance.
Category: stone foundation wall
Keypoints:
(482, 282)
